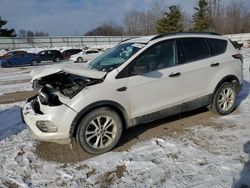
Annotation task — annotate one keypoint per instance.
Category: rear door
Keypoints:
(43, 56)
(27, 58)
(50, 55)
(15, 59)
(199, 64)
(18, 58)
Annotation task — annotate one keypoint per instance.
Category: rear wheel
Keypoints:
(224, 100)
(34, 63)
(79, 60)
(99, 131)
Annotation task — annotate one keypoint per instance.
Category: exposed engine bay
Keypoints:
(67, 84)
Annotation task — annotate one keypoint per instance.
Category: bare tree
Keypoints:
(30, 34)
(143, 22)
(236, 18)
(41, 34)
(214, 14)
(24, 33)
(109, 28)
(133, 22)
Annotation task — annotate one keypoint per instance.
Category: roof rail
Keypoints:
(185, 33)
(124, 40)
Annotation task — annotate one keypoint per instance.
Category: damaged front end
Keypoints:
(50, 88)
(44, 112)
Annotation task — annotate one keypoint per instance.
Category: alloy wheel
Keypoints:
(226, 99)
(100, 132)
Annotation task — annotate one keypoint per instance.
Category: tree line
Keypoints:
(208, 16)
(5, 32)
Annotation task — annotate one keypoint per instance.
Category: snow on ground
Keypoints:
(10, 120)
(15, 73)
(213, 154)
(15, 87)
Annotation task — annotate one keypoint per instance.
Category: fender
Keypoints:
(106, 103)
(229, 78)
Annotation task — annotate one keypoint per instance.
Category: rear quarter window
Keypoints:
(217, 46)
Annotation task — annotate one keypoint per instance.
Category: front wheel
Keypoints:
(99, 131)
(7, 65)
(224, 100)
(56, 59)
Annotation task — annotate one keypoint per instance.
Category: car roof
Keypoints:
(149, 38)
(72, 49)
(17, 51)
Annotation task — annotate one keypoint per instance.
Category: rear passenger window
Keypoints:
(192, 49)
(217, 46)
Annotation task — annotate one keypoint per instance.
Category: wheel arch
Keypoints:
(230, 79)
(110, 104)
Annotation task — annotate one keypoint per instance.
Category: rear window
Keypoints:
(217, 46)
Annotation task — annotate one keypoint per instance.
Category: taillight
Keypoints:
(238, 56)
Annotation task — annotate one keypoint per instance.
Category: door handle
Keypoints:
(121, 89)
(214, 64)
(175, 74)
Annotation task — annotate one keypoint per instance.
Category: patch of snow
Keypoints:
(10, 119)
(15, 87)
(3, 52)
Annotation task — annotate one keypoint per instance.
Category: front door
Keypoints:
(155, 82)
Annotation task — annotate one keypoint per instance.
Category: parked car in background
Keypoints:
(67, 53)
(50, 55)
(237, 45)
(85, 56)
(19, 58)
(3, 52)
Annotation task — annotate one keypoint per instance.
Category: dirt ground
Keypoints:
(15, 96)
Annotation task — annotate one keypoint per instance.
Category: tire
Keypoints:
(224, 100)
(79, 60)
(56, 59)
(109, 136)
(7, 65)
(34, 63)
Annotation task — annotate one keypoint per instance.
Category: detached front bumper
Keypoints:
(48, 123)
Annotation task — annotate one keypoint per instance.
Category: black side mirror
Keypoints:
(140, 69)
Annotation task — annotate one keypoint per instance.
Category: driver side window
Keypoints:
(159, 56)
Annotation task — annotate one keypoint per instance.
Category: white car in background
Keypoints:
(85, 56)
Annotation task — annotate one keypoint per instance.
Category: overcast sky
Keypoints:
(75, 17)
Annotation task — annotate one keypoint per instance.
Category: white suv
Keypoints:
(138, 81)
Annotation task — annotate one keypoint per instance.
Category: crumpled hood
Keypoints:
(79, 71)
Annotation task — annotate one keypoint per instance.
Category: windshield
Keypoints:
(114, 57)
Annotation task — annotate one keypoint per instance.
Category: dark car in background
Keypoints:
(19, 58)
(50, 55)
(67, 53)
(237, 45)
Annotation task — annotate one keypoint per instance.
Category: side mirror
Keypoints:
(140, 69)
